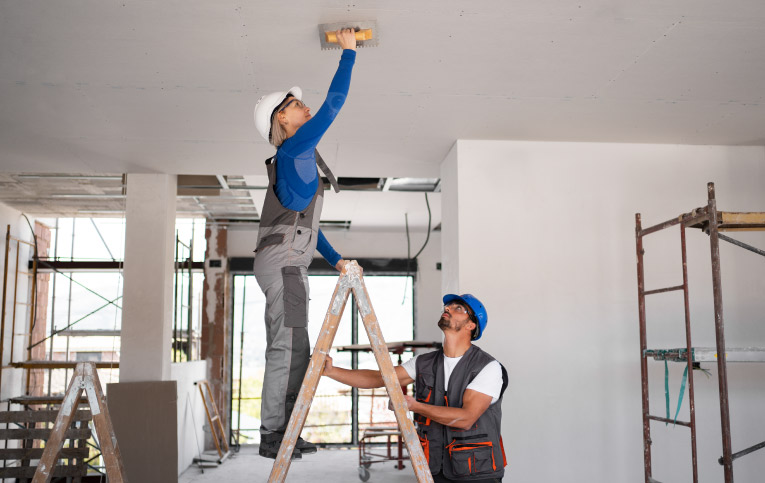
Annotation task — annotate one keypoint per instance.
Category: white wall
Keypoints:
(450, 247)
(379, 244)
(191, 412)
(546, 240)
(13, 379)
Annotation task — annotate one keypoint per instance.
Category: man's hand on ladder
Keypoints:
(327, 366)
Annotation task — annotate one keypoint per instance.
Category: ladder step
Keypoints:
(61, 471)
(665, 420)
(42, 416)
(662, 290)
(39, 400)
(82, 433)
(36, 453)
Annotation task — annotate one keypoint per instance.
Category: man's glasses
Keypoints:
(455, 307)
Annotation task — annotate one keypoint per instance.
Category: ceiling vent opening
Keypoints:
(415, 185)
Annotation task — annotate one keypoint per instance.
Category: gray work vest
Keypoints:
(287, 237)
(464, 455)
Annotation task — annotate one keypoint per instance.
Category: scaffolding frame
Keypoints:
(711, 221)
(9, 240)
(183, 267)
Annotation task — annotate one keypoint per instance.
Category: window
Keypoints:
(84, 306)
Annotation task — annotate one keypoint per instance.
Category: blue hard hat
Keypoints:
(476, 306)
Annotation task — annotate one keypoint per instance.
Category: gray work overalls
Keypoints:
(286, 244)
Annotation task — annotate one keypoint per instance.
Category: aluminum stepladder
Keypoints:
(84, 378)
(351, 279)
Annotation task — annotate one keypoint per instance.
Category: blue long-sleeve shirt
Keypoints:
(297, 177)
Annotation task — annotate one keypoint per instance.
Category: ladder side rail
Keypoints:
(221, 433)
(722, 372)
(311, 379)
(392, 384)
(58, 433)
(643, 348)
(209, 416)
(102, 421)
(689, 355)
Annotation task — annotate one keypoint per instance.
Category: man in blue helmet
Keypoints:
(457, 403)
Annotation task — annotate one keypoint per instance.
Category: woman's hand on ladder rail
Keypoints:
(341, 264)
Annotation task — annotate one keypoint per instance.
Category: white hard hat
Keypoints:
(264, 109)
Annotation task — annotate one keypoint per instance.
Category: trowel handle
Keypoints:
(365, 34)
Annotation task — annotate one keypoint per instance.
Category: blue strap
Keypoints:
(682, 388)
(666, 387)
(682, 392)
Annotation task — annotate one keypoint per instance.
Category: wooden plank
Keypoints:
(709, 354)
(36, 453)
(145, 420)
(42, 416)
(63, 364)
(740, 218)
(312, 377)
(29, 471)
(42, 400)
(730, 221)
(26, 433)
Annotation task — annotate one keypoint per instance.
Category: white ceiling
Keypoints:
(103, 86)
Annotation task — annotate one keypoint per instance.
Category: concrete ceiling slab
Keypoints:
(169, 87)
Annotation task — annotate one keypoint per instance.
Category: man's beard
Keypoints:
(443, 323)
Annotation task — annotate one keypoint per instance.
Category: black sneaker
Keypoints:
(269, 447)
(305, 447)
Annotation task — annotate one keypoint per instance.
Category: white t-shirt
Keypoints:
(488, 381)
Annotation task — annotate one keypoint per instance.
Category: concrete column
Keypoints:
(147, 303)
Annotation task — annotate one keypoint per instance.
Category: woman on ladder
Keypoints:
(288, 236)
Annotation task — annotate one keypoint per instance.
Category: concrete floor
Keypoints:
(327, 465)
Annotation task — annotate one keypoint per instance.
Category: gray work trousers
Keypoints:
(287, 347)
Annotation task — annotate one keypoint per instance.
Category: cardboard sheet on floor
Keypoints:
(144, 415)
